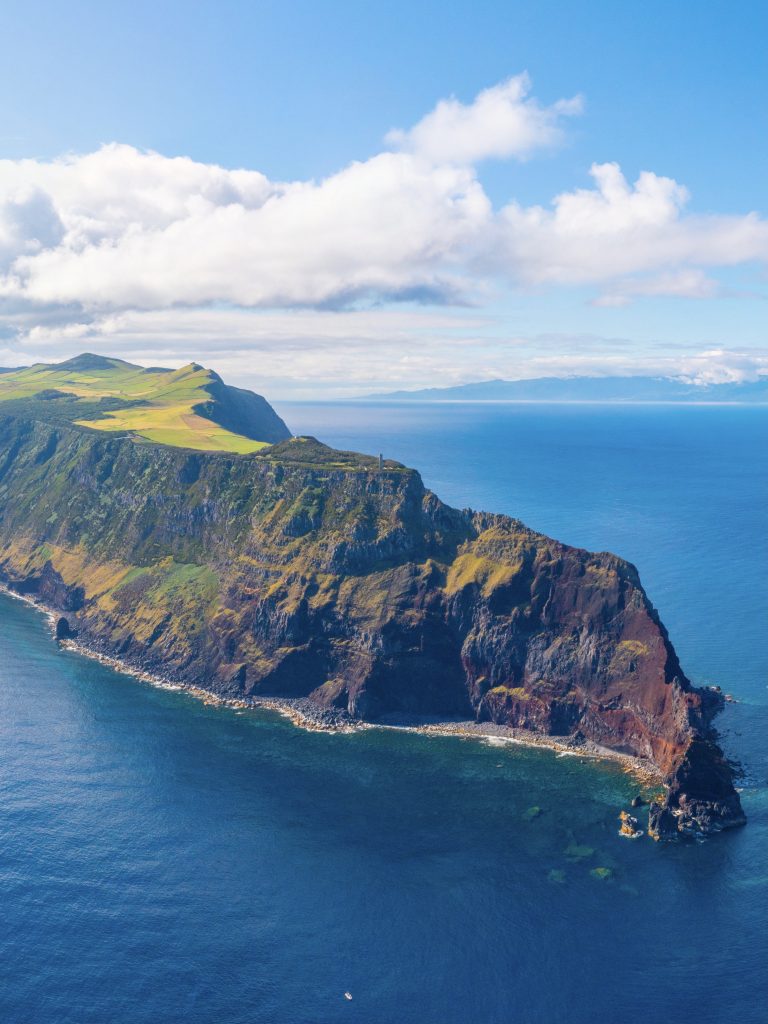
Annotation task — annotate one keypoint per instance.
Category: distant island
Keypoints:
(172, 523)
(590, 389)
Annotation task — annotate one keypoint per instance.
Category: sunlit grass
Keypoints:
(175, 425)
(162, 404)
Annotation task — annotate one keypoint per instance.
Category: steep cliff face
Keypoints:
(303, 571)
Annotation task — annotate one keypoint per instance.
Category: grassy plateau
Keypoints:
(172, 407)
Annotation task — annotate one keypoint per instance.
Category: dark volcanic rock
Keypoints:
(662, 822)
(305, 573)
(63, 630)
(701, 798)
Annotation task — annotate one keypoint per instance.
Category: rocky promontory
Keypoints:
(307, 573)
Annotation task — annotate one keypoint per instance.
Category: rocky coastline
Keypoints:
(307, 714)
(339, 591)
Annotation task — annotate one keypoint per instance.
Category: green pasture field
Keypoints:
(159, 404)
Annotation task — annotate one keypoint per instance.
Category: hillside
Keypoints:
(590, 389)
(302, 572)
(188, 408)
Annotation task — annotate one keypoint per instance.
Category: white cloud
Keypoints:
(309, 354)
(28, 223)
(122, 229)
(599, 358)
(687, 284)
(591, 236)
(284, 353)
(103, 245)
(723, 366)
(142, 230)
(503, 121)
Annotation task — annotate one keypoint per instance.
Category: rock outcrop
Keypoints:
(305, 572)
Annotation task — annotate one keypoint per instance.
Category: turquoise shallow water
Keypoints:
(163, 861)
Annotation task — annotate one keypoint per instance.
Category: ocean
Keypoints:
(165, 861)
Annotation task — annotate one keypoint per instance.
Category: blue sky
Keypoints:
(427, 263)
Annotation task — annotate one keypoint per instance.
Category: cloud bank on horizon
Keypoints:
(92, 242)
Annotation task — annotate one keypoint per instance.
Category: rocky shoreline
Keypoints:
(307, 714)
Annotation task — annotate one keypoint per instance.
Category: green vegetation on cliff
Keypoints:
(188, 408)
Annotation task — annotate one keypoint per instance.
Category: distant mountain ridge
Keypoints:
(590, 389)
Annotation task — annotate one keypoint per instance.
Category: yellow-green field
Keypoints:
(160, 405)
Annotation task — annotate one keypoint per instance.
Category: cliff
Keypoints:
(300, 571)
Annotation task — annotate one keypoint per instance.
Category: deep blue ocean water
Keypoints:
(164, 861)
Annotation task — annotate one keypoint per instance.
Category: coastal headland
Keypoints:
(336, 584)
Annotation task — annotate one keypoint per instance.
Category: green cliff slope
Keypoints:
(187, 408)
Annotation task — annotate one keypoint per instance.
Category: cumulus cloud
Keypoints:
(28, 223)
(143, 230)
(723, 366)
(611, 231)
(87, 237)
(503, 121)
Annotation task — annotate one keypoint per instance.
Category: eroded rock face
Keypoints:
(700, 798)
(306, 572)
(63, 630)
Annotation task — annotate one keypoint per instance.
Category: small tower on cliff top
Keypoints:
(381, 461)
